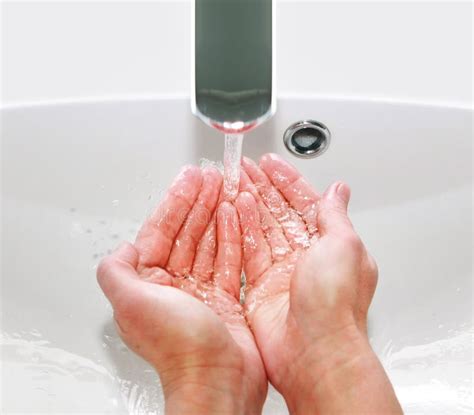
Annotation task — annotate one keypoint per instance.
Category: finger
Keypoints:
(293, 186)
(228, 263)
(257, 254)
(279, 245)
(272, 230)
(117, 271)
(246, 185)
(203, 266)
(292, 224)
(156, 237)
(206, 253)
(184, 247)
(332, 214)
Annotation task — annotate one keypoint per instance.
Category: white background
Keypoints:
(394, 50)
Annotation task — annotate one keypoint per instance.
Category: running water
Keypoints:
(232, 157)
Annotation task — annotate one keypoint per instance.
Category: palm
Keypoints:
(213, 320)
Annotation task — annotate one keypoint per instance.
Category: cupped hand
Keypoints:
(176, 300)
(310, 282)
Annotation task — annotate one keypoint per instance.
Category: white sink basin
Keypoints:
(77, 178)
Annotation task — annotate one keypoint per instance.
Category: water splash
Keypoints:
(45, 372)
(203, 163)
(415, 371)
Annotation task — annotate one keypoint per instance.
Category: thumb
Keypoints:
(332, 212)
(117, 272)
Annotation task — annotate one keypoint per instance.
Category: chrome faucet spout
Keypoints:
(233, 65)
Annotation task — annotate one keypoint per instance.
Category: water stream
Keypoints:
(232, 157)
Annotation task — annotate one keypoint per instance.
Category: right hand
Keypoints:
(310, 283)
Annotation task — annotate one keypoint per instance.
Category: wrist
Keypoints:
(207, 391)
(325, 364)
(202, 399)
(343, 375)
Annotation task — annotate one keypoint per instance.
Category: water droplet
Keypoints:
(76, 229)
(35, 333)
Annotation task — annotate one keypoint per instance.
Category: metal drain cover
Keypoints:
(307, 139)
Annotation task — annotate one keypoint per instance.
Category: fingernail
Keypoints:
(332, 191)
(339, 188)
(343, 191)
(272, 156)
(248, 161)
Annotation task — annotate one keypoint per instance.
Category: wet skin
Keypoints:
(175, 295)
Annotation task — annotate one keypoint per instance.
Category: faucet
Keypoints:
(233, 63)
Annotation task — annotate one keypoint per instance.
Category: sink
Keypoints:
(78, 177)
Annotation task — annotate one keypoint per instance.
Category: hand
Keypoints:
(310, 281)
(175, 295)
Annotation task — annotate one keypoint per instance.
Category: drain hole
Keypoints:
(307, 139)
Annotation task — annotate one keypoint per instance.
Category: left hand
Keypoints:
(175, 295)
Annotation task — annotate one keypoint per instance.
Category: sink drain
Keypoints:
(307, 139)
